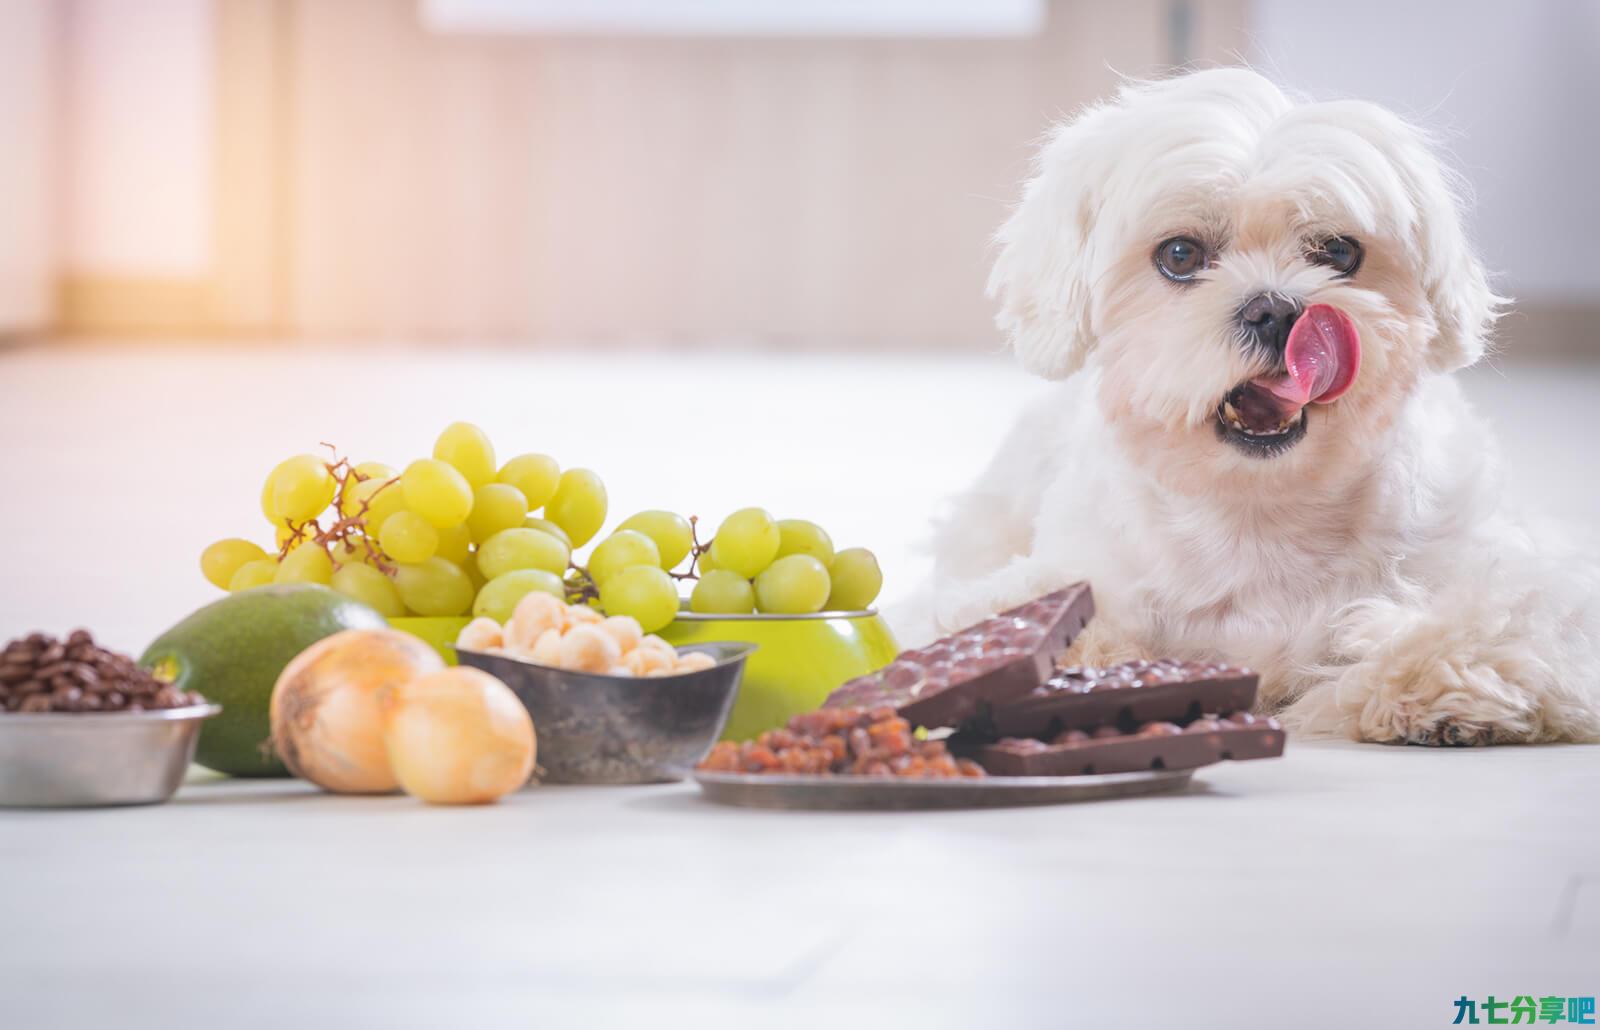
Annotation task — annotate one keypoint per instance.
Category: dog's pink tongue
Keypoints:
(1322, 355)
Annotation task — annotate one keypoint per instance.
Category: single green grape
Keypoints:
(578, 505)
(495, 506)
(856, 580)
(746, 542)
(221, 560)
(722, 592)
(307, 563)
(535, 475)
(302, 487)
(362, 482)
(669, 530)
(622, 549)
(407, 537)
(437, 491)
(521, 548)
(498, 598)
(253, 574)
(370, 587)
(546, 526)
(796, 584)
(434, 587)
(467, 448)
(797, 536)
(455, 545)
(352, 550)
(645, 592)
(383, 497)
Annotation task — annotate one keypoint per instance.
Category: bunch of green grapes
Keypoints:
(445, 536)
(754, 563)
(457, 533)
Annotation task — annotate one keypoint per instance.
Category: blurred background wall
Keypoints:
(785, 174)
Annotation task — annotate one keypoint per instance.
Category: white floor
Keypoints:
(1341, 886)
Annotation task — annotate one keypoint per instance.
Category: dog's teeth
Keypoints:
(1228, 409)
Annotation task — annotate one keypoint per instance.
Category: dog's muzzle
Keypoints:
(1315, 352)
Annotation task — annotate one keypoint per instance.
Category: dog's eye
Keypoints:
(1340, 253)
(1181, 258)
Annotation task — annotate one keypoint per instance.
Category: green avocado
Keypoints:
(232, 651)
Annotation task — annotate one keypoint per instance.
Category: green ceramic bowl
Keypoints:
(799, 659)
(438, 633)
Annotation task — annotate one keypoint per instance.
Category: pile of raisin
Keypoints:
(842, 742)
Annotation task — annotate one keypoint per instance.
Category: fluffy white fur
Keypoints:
(1371, 573)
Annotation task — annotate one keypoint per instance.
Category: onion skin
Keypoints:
(458, 737)
(327, 724)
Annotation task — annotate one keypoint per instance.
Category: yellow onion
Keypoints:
(326, 722)
(458, 737)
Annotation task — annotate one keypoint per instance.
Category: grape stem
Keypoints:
(581, 587)
(344, 527)
(696, 549)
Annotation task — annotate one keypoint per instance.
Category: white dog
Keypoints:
(1258, 452)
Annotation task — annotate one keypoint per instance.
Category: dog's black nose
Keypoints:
(1267, 318)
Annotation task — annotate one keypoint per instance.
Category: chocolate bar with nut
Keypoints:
(1126, 695)
(1238, 736)
(1000, 659)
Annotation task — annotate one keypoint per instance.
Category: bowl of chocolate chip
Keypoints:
(84, 726)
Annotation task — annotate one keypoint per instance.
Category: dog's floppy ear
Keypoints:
(1464, 306)
(1040, 276)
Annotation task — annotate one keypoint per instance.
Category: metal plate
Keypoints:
(886, 794)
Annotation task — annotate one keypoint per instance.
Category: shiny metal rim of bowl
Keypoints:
(204, 711)
(737, 651)
(687, 616)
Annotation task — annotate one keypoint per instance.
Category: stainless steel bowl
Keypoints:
(80, 759)
(620, 729)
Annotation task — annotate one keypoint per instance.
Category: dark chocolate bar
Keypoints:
(1126, 695)
(999, 659)
(1155, 745)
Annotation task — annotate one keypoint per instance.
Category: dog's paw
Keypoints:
(1418, 712)
(1450, 733)
(1438, 704)
(1435, 678)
